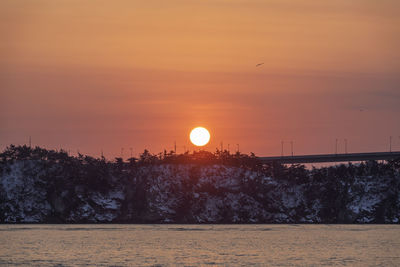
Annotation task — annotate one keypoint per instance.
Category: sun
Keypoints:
(199, 136)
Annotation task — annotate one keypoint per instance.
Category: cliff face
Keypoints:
(61, 191)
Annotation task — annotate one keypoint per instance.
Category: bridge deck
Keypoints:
(333, 157)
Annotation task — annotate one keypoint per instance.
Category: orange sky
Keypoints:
(94, 75)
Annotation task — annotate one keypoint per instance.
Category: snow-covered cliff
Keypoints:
(70, 190)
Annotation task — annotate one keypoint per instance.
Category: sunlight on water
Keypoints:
(148, 245)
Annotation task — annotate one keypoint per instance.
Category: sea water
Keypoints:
(194, 245)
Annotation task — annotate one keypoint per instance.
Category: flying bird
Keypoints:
(259, 64)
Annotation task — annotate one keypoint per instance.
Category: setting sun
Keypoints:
(199, 136)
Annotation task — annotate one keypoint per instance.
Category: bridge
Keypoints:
(332, 157)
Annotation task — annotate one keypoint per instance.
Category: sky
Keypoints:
(104, 75)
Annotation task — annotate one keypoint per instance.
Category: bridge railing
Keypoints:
(333, 157)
